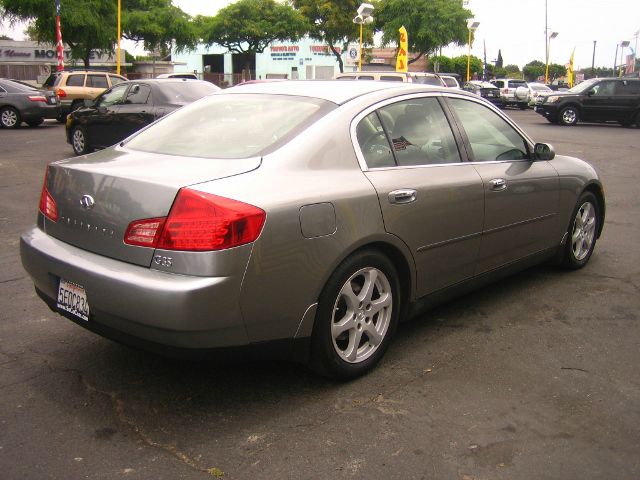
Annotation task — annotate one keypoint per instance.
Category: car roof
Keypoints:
(332, 90)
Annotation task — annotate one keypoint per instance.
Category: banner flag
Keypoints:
(401, 62)
(570, 74)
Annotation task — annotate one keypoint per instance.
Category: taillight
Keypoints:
(199, 222)
(505, 90)
(48, 205)
(37, 98)
(61, 93)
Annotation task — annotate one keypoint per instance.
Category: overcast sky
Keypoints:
(517, 28)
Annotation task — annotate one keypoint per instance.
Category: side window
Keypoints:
(604, 89)
(97, 81)
(420, 132)
(112, 97)
(373, 142)
(391, 78)
(116, 80)
(138, 94)
(490, 136)
(628, 87)
(499, 83)
(76, 80)
(365, 77)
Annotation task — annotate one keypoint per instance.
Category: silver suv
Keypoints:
(513, 91)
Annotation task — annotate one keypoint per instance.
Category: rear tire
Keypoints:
(10, 118)
(357, 315)
(582, 232)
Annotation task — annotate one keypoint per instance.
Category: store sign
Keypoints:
(39, 54)
(284, 52)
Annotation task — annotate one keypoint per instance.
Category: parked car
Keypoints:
(126, 108)
(391, 76)
(20, 102)
(385, 76)
(513, 91)
(191, 76)
(73, 87)
(537, 92)
(486, 90)
(595, 100)
(224, 225)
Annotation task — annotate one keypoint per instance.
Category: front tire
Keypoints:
(568, 116)
(79, 141)
(10, 118)
(582, 232)
(357, 315)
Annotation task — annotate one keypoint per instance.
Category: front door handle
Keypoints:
(498, 184)
(404, 195)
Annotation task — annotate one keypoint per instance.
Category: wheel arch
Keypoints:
(597, 191)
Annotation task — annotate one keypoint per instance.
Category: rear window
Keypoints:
(75, 80)
(517, 83)
(52, 80)
(450, 82)
(17, 87)
(97, 81)
(116, 80)
(428, 81)
(231, 126)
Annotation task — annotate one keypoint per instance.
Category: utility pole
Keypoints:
(546, 38)
(593, 59)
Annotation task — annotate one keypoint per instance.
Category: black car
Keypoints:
(595, 100)
(126, 108)
(486, 90)
(20, 102)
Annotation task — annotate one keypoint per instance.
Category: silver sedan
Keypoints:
(304, 219)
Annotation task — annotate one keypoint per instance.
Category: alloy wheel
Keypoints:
(584, 229)
(9, 118)
(361, 315)
(569, 116)
(78, 141)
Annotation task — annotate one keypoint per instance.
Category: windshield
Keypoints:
(540, 88)
(230, 126)
(584, 86)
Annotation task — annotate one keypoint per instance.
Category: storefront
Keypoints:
(33, 61)
(305, 60)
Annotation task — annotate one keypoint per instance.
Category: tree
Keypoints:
(430, 23)
(445, 64)
(331, 22)
(556, 71)
(90, 25)
(248, 27)
(533, 70)
(499, 59)
(513, 70)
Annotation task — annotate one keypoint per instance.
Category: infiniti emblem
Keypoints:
(87, 202)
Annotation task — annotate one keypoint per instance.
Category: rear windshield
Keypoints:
(52, 80)
(186, 92)
(428, 80)
(518, 83)
(17, 87)
(231, 126)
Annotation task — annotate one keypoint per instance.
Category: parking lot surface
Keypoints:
(534, 377)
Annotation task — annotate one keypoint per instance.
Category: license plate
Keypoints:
(73, 299)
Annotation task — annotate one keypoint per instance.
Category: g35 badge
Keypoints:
(163, 261)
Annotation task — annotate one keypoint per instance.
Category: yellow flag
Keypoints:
(570, 74)
(401, 62)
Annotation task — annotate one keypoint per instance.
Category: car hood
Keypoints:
(123, 186)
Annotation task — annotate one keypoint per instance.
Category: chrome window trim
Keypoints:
(383, 103)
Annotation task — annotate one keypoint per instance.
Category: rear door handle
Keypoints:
(404, 195)
(498, 184)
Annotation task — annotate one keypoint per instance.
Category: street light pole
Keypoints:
(471, 27)
(546, 73)
(118, 51)
(364, 16)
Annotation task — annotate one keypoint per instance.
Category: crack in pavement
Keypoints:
(119, 407)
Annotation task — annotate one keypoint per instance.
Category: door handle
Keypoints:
(405, 195)
(498, 184)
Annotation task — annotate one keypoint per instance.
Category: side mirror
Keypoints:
(88, 103)
(591, 93)
(544, 151)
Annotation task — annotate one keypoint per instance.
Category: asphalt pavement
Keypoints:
(534, 377)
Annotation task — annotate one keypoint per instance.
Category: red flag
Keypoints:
(59, 45)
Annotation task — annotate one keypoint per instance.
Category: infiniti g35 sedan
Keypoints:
(306, 217)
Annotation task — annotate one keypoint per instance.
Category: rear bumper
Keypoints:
(38, 111)
(130, 301)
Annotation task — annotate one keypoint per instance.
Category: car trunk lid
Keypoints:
(97, 196)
